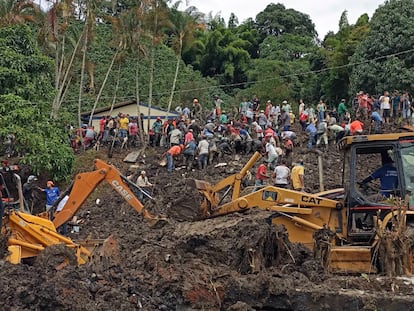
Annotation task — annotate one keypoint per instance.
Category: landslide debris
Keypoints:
(233, 262)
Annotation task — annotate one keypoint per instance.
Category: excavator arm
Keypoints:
(268, 198)
(85, 183)
(212, 199)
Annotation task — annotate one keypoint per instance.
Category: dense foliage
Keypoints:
(384, 60)
(25, 88)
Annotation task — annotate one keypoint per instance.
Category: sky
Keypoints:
(324, 14)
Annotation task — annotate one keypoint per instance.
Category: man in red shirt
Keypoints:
(363, 105)
(356, 127)
(174, 151)
(261, 176)
(188, 136)
(102, 124)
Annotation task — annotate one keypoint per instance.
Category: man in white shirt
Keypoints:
(175, 137)
(203, 150)
(281, 175)
(271, 154)
(143, 183)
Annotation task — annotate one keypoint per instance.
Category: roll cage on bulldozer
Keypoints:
(349, 213)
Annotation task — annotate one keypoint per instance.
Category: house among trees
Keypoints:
(130, 108)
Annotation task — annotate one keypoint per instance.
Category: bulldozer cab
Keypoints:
(366, 158)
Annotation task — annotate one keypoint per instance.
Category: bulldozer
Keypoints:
(29, 235)
(348, 217)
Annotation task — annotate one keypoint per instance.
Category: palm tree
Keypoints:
(130, 41)
(88, 32)
(184, 25)
(15, 12)
(157, 21)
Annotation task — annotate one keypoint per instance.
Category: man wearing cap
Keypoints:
(143, 183)
(28, 191)
(197, 110)
(286, 107)
(341, 110)
(262, 120)
(388, 176)
(52, 194)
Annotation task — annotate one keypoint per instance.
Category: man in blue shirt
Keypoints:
(388, 176)
(52, 194)
(377, 119)
(312, 131)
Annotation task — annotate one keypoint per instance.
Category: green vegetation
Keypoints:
(83, 55)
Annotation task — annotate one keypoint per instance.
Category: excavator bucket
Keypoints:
(106, 251)
(210, 197)
(202, 185)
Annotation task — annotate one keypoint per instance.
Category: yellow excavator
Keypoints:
(28, 235)
(350, 214)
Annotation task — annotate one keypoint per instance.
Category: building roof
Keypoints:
(127, 103)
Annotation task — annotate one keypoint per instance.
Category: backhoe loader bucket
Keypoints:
(211, 198)
(103, 251)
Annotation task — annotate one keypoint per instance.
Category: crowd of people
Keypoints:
(202, 136)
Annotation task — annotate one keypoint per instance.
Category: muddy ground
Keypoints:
(234, 262)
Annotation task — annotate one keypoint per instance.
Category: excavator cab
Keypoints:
(367, 157)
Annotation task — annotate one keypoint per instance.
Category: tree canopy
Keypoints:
(83, 55)
(384, 59)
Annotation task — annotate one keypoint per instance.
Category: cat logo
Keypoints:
(308, 199)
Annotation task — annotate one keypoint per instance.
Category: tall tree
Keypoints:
(183, 27)
(276, 20)
(17, 12)
(384, 60)
(338, 49)
(157, 21)
(26, 87)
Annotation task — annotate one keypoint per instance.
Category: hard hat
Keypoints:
(143, 172)
(50, 183)
(31, 178)
(284, 102)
